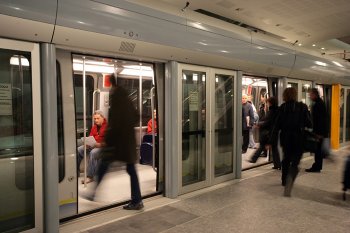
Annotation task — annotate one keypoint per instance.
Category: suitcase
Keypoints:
(346, 177)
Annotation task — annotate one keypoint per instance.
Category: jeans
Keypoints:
(134, 181)
(92, 155)
(251, 139)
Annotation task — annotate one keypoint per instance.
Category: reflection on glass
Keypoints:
(341, 130)
(347, 119)
(16, 142)
(193, 127)
(223, 125)
(305, 97)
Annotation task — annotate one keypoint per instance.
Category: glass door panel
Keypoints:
(223, 121)
(193, 127)
(20, 153)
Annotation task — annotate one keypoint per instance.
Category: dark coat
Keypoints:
(120, 134)
(320, 118)
(292, 118)
(266, 124)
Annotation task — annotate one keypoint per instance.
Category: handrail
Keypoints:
(84, 119)
(93, 102)
(153, 133)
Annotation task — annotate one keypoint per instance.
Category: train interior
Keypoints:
(138, 80)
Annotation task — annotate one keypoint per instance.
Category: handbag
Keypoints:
(310, 141)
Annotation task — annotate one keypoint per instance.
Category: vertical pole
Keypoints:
(335, 116)
(238, 103)
(50, 137)
(84, 120)
(140, 104)
(173, 136)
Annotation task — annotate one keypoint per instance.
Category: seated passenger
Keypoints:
(150, 126)
(98, 132)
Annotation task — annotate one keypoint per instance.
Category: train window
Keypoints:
(223, 124)
(79, 110)
(16, 141)
(61, 158)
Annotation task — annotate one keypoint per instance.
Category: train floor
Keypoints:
(115, 187)
(254, 203)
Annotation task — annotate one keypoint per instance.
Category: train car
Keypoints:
(186, 72)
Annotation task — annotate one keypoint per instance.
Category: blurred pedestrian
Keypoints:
(320, 128)
(265, 126)
(292, 118)
(120, 142)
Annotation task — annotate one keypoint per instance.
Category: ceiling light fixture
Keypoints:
(313, 45)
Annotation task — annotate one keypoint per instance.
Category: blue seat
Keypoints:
(146, 156)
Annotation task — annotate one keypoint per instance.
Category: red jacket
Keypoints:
(99, 135)
(149, 126)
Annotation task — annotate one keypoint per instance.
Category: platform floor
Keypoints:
(254, 203)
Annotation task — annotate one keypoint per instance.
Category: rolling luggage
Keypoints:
(346, 177)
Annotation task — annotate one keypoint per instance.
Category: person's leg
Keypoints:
(276, 157)
(257, 153)
(245, 134)
(293, 172)
(93, 160)
(251, 139)
(80, 157)
(134, 181)
(285, 166)
(101, 169)
(318, 157)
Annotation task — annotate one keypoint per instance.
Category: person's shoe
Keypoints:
(278, 168)
(312, 170)
(132, 206)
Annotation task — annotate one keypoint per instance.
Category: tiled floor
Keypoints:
(254, 203)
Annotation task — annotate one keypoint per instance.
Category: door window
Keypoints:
(16, 142)
(193, 127)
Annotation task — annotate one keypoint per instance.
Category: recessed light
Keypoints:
(313, 45)
(322, 48)
(300, 44)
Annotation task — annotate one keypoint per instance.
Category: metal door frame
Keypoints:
(230, 176)
(33, 48)
(210, 125)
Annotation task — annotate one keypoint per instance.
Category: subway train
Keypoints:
(189, 69)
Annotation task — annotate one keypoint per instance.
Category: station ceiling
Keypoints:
(314, 24)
